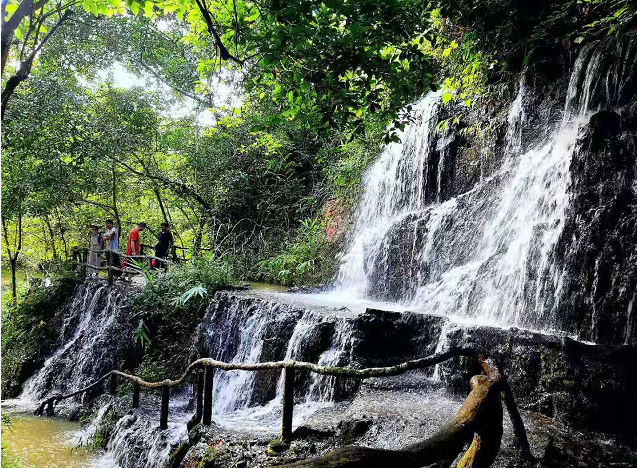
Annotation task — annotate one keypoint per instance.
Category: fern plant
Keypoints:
(183, 299)
(140, 336)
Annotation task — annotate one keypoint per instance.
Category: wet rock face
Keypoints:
(584, 385)
(388, 338)
(599, 242)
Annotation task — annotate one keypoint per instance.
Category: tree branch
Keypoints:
(158, 76)
(179, 186)
(224, 53)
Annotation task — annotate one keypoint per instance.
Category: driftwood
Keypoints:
(478, 421)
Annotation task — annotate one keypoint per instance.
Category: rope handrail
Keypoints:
(205, 386)
(398, 369)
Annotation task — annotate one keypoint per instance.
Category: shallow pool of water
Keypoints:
(256, 286)
(46, 442)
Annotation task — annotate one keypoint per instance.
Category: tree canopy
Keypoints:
(239, 119)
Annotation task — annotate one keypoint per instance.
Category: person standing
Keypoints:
(134, 243)
(165, 242)
(94, 245)
(111, 239)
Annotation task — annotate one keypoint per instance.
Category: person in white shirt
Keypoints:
(94, 245)
(112, 244)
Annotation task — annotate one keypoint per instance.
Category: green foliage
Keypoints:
(30, 330)
(303, 261)
(194, 279)
(140, 337)
(195, 291)
(168, 321)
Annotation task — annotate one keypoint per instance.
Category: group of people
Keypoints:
(109, 241)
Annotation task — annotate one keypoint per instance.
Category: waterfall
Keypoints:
(394, 188)
(84, 352)
(232, 389)
(486, 254)
(323, 388)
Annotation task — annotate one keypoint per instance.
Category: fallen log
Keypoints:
(479, 419)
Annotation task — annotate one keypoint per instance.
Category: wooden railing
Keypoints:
(80, 258)
(173, 251)
(205, 368)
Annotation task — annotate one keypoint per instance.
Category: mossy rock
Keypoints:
(215, 457)
(277, 446)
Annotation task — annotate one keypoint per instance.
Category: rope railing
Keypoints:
(205, 382)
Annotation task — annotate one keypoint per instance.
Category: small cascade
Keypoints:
(232, 389)
(85, 350)
(273, 332)
(137, 441)
(323, 388)
(488, 253)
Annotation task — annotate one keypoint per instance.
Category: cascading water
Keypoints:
(244, 333)
(488, 253)
(84, 353)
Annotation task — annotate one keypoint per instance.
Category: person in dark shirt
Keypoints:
(165, 242)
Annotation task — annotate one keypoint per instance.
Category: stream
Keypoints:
(47, 442)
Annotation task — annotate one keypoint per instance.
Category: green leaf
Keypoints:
(11, 8)
(148, 9)
(134, 7)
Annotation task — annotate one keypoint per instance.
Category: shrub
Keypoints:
(306, 261)
(171, 307)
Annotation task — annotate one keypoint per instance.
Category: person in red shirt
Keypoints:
(132, 247)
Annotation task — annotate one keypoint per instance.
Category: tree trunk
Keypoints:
(196, 248)
(13, 256)
(47, 221)
(12, 83)
(161, 203)
(118, 221)
(61, 229)
(14, 286)
(25, 8)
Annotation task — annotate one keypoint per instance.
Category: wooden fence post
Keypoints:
(136, 388)
(200, 394)
(209, 375)
(113, 385)
(165, 395)
(288, 403)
